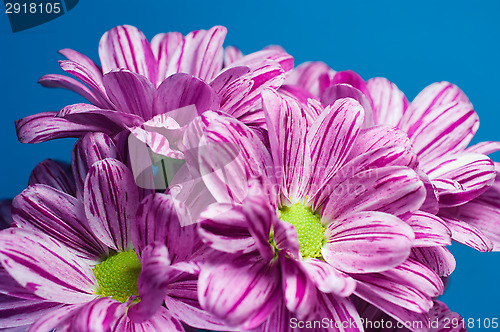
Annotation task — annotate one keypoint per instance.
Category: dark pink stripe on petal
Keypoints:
(88, 150)
(367, 242)
(45, 267)
(388, 101)
(469, 235)
(164, 46)
(157, 220)
(64, 82)
(130, 92)
(111, 200)
(331, 138)
(438, 259)
(52, 174)
(126, 47)
(44, 209)
(46, 126)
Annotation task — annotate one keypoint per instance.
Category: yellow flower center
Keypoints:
(117, 275)
(309, 229)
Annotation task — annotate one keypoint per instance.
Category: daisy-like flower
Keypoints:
(328, 227)
(91, 264)
(440, 123)
(142, 81)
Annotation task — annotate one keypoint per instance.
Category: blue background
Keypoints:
(412, 45)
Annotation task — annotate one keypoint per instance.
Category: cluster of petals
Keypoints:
(301, 194)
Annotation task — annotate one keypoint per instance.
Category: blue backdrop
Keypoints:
(412, 45)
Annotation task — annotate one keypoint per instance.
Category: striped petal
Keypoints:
(161, 321)
(96, 316)
(480, 214)
(91, 79)
(447, 129)
(278, 320)
(46, 126)
(467, 234)
(152, 283)
(16, 312)
(431, 203)
(130, 92)
(367, 242)
(331, 138)
(224, 227)
(110, 122)
(111, 199)
(232, 86)
(438, 259)
(41, 208)
(200, 54)
(391, 155)
(163, 46)
(12, 288)
(378, 137)
(379, 288)
(287, 129)
(158, 221)
(484, 147)
(87, 150)
(415, 274)
(180, 90)
(353, 79)
(311, 107)
(388, 101)
(156, 136)
(339, 310)
(378, 310)
(51, 173)
(267, 75)
(126, 47)
(45, 267)
(64, 82)
(240, 290)
(231, 55)
(395, 190)
(430, 230)
(286, 238)
(82, 59)
(298, 289)
(55, 318)
(461, 178)
(182, 302)
(260, 216)
(328, 279)
(442, 314)
(339, 91)
(427, 101)
(226, 154)
(261, 58)
(312, 76)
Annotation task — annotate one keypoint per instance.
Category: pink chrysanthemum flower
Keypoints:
(302, 251)
(440, 123)
(92, 264)
(142, 81)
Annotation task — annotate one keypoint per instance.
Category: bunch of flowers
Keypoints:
(214, 190)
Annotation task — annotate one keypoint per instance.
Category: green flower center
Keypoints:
(117, 275)
(309, 229)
